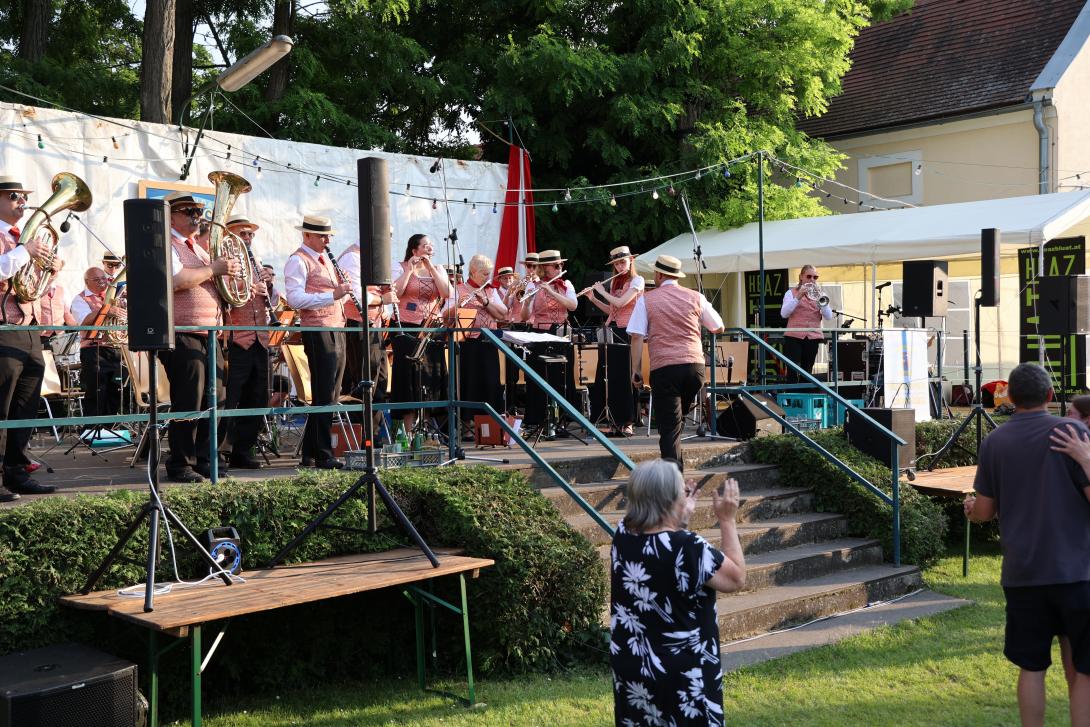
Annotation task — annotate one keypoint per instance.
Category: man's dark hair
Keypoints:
(1028, 385)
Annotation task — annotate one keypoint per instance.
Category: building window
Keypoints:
(893, 177)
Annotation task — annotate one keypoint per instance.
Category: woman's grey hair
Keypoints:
(479, 261)
(653, 488)
(1028, 385)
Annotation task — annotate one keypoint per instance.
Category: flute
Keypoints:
(534, 292)
(586, 290)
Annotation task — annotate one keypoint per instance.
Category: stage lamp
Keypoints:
(253, 64)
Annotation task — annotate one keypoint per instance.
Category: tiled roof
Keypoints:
(944, 58)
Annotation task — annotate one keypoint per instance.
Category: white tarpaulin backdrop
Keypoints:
(936, 232)
(77, 143)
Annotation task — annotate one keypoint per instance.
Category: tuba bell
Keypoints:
(222, 243)
(69, 193)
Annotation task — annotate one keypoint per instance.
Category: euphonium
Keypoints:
(222, 243)
(69, 193)
(814, 292)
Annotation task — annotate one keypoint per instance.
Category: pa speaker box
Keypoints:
(864, 437)
(989, 267)
(1062, 304)
(375, 232)
(924, 290)
(150, 274)
(68, 685)
(743, 419)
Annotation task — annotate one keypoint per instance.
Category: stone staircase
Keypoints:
(800, 564)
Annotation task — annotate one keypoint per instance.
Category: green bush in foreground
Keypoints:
(536, 608)
(923, 522)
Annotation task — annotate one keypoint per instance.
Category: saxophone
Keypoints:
(235, 291)
(69, 193)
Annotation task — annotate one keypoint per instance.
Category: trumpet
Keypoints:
(589, 288)
(235, 291)
(69, 193)
(814, 292)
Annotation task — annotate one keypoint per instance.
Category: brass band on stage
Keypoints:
(219, 279)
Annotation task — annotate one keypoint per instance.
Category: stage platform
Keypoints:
(82, 472)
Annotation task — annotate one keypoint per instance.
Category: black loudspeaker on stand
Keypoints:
(924, 291)
(147, 227)
(375, 239)
(989, 267)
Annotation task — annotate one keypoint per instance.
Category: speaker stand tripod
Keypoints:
(978, 413)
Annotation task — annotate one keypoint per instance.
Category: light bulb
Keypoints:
(567, 195)
(654, 194)
(41, 144)
(555, 208)
(612, 200)
(114, 140)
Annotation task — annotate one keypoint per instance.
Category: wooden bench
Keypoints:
(184, 611)
(956, 482)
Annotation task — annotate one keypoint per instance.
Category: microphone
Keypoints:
(435, 167)
(67, 224)
(883, 285)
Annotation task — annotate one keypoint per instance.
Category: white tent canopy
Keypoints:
(935, 232)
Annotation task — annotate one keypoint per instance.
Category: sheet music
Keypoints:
(527, 337)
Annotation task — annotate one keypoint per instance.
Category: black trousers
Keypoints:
(479, 375)
(248, 387)
(423, 380)
(187, 368)
(325, 354)
(100, 379)
(673, 390)
(353, 363)
(622, 396)
(22, 370)
(802, 351)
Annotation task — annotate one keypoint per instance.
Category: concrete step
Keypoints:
(790, 565)
(752, 612)
(609, 494)
(755, 507)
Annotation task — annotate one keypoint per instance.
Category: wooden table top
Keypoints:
(269, 589)
(949, 482)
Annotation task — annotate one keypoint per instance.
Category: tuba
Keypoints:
(235, 291)
(69, 193)
(814, 292)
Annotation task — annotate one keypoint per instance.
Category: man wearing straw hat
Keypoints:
(22, 366)
(248, 381)
(313, 289)
(669, 318)
(196, 303)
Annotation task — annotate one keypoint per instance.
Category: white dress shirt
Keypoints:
(79, 308)
(350, 264)
(790, 303)
(11, 261)
(637, 324)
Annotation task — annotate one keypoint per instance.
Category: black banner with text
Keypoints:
(776, 285)
(1063, 256)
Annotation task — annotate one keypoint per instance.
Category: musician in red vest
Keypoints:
(100, 359)
(619, 302)
(547, 304)
(22, 366)
(669, 318)
(248, 381)
(312, 288)
(478, 363)
(196, 303)
(802, 311)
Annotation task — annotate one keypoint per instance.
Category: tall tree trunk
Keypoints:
(283, 24)
(32, 39)
(156, 61)
(182, 81)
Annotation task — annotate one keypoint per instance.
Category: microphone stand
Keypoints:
(705, 427)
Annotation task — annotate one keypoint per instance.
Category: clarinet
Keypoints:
(344, 279)
(269, 307)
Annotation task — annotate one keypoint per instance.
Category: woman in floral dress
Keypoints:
(664, 645)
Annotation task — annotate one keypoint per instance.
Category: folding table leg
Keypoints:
(153, 679)
(465, 632)
(195, 671)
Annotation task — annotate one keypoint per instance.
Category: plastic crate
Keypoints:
(386, 459)
(804, 424)
(840, 412)
(804, 406)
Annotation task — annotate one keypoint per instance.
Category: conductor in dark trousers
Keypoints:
(669, 318)
(312, 288)
(196, 303)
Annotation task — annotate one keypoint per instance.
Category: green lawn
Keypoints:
(945, 670)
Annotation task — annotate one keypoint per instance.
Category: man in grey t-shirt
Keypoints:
(1041, 498)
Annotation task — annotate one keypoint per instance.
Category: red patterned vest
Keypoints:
(254, 313)
(673, 326)
(419, 293)
(806, 315)
(52, 302)
(14, 312)
(546, 311)
(199, 305)
(621, 315)
(320, 280)
(483, 319)
(351, 312)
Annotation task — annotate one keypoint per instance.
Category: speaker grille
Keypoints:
(107, 702)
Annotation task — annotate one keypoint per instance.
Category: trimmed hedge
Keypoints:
(538, 607)
(923, 523)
